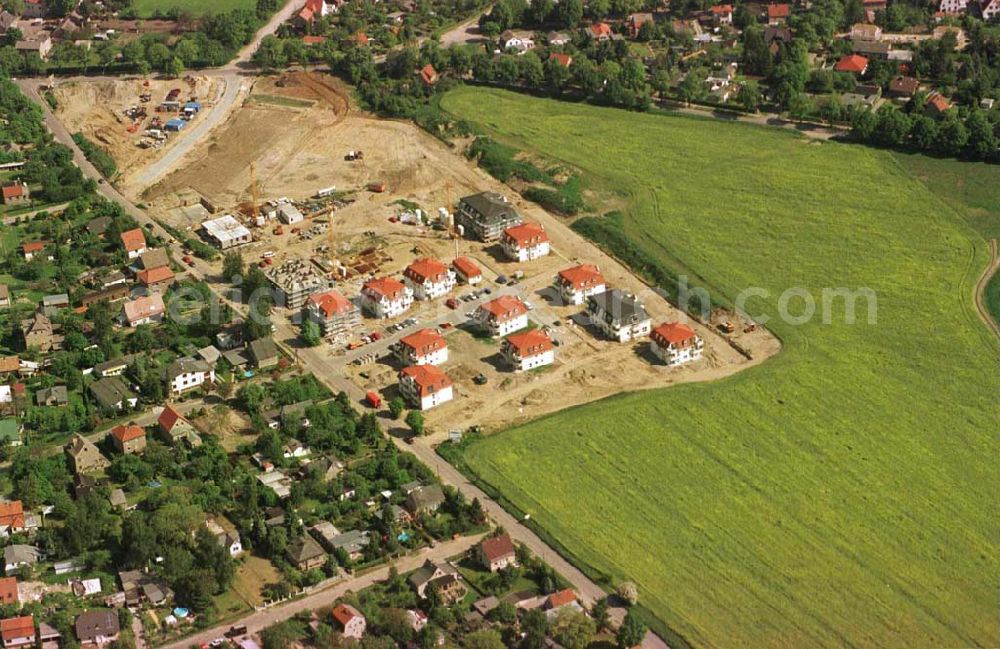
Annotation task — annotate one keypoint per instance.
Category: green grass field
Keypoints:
(842, 494)
(145, 8)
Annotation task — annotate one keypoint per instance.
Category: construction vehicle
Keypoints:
(727, 327)
(480, 379)
(376, 187)
(354, 155)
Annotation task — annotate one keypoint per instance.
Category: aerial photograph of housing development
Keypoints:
(485, 324)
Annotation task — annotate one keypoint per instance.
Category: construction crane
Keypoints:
(254, 193)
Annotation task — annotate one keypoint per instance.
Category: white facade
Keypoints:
(383, 305)
(991, 9)
(677, 354)
(427, 401)
(414, 356)
(953, 6)
(428, 289)
(624, 332)
(577, 296)
(190, 380)
(227, 232)
(529, 362)
(518, 252)
(502, 327)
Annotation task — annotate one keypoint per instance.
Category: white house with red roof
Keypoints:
(502, 316)
(497, 552)
(18, 631)
(578, 283)
(333, 312)
(675, 343)
(386, 297)
(144, 310)
(428, 278)
(528, 350)
(349, 621)
(134, 242)
(991, 9)
(425, 386)
(525, 242)
(12, 520)
(723, 14)
(467, 270)
(424, 347)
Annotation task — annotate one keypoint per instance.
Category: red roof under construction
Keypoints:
(673, 333)
(428, 378)
(526, 234)
(424, 341)
(134, 240)
(467, 267)
(582, 276)
(426, 269)
(505, 307)
(331, 303)
(386, 287)
(530, 343)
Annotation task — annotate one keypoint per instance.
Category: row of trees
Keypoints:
(967, 133)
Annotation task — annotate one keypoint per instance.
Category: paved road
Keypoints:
(11, 220)
(265, 618)
(289, 9)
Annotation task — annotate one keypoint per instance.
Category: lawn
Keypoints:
(844, 492)
(145, 8)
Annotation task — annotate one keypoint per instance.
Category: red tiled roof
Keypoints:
(144, 307)
(156, 275)
(497, 547)
(428, 378)
(314, 40)
(134, 240)
(17, 627)
(360, 38)
(466, 266)
(722, 9)
(852, 63)
(384, 287)
(600, 29)
(8, 590)
(33, 246)
(564, 60)
(530, 343)
(673, 333)
(505, 307)
(127, 433)
(582, 276)
(306, 14)
(331, 303)
(778, 11)
(426, 269)
(315, 6)
(424, 341)
(525, 234)
(12, 514)
(428, 74)
(13, 191)
(168, 418)
(939, 102)
(562, 598)
(344, 613)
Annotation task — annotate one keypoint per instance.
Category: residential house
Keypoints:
(903, 87)
(38, 333)
(108, 294)
(865, 31)
(557, 39)
(111, 393)
(525, 242)
(17, 556)
(990, 9)
(186, 374)
(486, 215)
(128, 440)
(8, 591)
(424, 347)
(497, 553)
(114, 367)
(53, 304)
(227, 537)
(559, 600)
(155, 258)
(334, 313)
(39, 43)
(226, 232)
(49, 636)
(871, 49)
(57, 395)
(723, 14)
(937, 105)
(386, 297)
(264, 353)
(564, 60)
(134, 242)
(428, 75)
(99, 225)
(443, 576)
(119, 501)
(518, 42)
(675, 343)
(83, 455)
(502, 316)
(852, 63)
(7, 20)
(863, 95)
(578, 283)
(18, 631)
(293, 449)
(34, 9)
(467, 271)
(600, 31)
(12, 520)
(425, 500)
(953, 7)
(528, 350)
(16, 194)
(31, 248)
(305, 554)
(174, 428)
(425, 386)
(636, 21)
(428, 278)
(146, 309)
(619, 315)
(98, 627)
(156, 279)
(777, 14)
(349, 621)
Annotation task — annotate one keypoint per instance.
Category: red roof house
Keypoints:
(467, 269)
(162, 275)
(600, 31)
(496, 553)
(852, 63)
(564, 60)
(18, 631)
(778, 13)
(12, 516)
(8, 590)
(429, 75)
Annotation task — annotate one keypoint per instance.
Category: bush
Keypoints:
(97, 156)
(566, 200)
(499, 160)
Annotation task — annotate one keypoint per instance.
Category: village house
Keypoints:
(108, 294)
(723, 14)
(425, 500)
(428, 278)
(349, 621)
(83, 455)
(502, 316)
(525, 242)
(675, 343)
(619, 315)
(16, 194)
(156, 279)
(424, 347)
(12, 519)
(128, 440)
(334, 313)
(17, 556)
(564, 60)
(174, 428)
(352, 542)
(443, 576)
(57, 395)
(31, 248)
(557, 39)
(486, 215)
(306, 554)
(97, 627)
(991, 9)
(134, 242)
(111, 393)
(517, 42)
(852, 63)
(38, 333)
(263, 353)
(428, 75)
(777, 14)
(386, 297)
(953, 7)
(903, 87)
(425, 386)
(578, 283)
(155, 258)
(600, 31)
(528, 350)
(8, 591)
(497, 553)
(937, 105)
(467, 271)
(560, 600)
(227, 538)
(635, 22)
(146, 309)
(18, 631)
(186, 374)
(865, 31)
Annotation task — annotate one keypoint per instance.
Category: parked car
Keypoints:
(452, 303)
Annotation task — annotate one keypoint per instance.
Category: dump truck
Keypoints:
(376, 187)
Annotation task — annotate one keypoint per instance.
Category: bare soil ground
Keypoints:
(225, 423)
(298, 149)
(97, 109)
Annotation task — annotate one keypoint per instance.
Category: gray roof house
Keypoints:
(112, 393)
(264, 353)
(305, 553)
(15, 556)
(57, 395)
(486, 215)
(425, 499)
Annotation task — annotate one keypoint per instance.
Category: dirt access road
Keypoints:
(980, 294)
